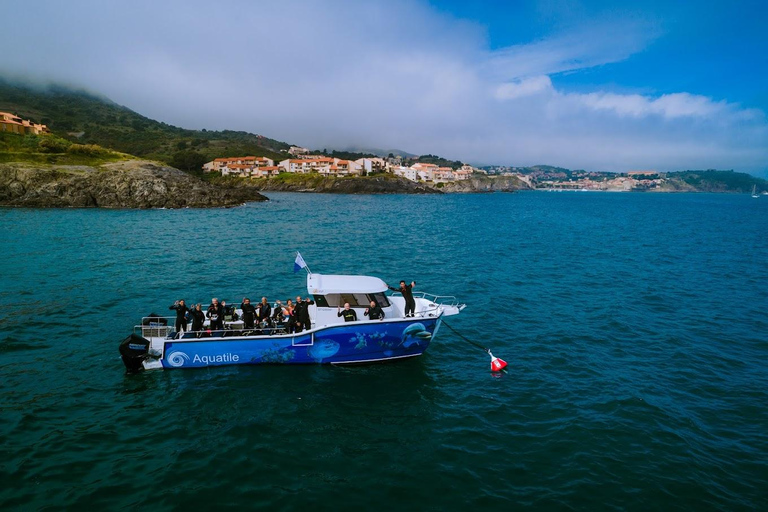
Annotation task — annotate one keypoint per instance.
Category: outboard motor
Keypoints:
(134, 350)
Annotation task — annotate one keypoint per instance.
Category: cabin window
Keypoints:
(338, 299)
(359, 300)
(380, 299)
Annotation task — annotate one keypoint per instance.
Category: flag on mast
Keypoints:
(299, 263)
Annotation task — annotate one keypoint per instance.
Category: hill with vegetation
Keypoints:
(84, 118)
(436, 160)
(51, 149)
(714, 181)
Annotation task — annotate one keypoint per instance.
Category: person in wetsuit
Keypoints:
(229, 312)
(291, 318)
(277, 313)
(298, 314)
(249, 313)
(198, 318)
(306, 322)
(216, 315)
(374, 312)
(263, 311)
(181, 315)
(406, 290)
(348, 314)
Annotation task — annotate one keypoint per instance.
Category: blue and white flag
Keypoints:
(299, 263)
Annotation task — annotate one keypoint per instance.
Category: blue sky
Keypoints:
(715, 49)
(582, 84)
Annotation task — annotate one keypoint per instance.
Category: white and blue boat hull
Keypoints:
(356, 342)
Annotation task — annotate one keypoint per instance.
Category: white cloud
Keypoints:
(669, 106)
(524, 87)
(389, 74)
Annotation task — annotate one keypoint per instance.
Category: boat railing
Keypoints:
(155, 326)
(435, 302)
(162, 327)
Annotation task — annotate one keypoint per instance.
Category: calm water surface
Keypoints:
(635, 325)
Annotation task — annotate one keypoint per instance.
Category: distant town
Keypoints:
(304, 161)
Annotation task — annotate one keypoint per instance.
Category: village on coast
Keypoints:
(303, 161)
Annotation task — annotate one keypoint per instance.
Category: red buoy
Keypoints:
(497, 364)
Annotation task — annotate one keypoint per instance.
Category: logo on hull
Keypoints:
(177, 358)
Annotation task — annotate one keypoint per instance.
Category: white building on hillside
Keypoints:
(322, 165)
(472, 170)
(347, 168)
(440, 174)
(266, 171)
(297, 150)
(220, 164)
(372, 164)
(462, 174)
(406, 172)
(423, 167)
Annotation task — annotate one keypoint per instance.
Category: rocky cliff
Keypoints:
(485, 184)
(376, 184)
(129, 184)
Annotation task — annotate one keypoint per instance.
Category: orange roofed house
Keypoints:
(237, 165)
(14, 124)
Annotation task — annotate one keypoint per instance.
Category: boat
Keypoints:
(154, 344)
(754, 191)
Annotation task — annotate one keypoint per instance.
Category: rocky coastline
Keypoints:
(484, 184)
(126, 184)
(377, 184)
(385, 184)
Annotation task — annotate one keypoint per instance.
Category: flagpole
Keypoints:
(298, 254)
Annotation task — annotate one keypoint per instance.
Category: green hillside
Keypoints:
(52, 149)
(718, 181)
(436, 160)
(85, 118)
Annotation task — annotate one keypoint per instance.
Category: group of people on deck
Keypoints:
(293, 317)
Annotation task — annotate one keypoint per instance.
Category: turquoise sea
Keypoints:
(635, 325)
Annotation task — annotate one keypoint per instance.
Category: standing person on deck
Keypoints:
(216, 315)
(264, 310)
(198, 318)
(348, 313)
(407, 292)
(298, 313)
(181, 315)
(304, 315)
(289, 313)
(249, 313)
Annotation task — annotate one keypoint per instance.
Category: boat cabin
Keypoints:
(331, 292)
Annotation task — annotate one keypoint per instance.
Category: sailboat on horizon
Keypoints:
(754, 191)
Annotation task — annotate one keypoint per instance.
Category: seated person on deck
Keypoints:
(374, 312)
(348, 314)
